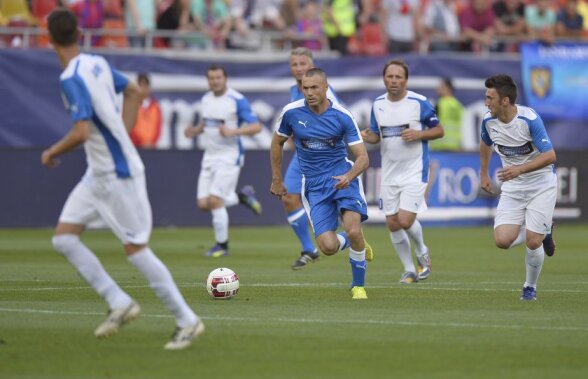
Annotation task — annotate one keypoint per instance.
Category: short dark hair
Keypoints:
(143, 78)
(316, 71)
(448, 83)
(396, 62)
(504, 86)
(215, 67)
(63, 27)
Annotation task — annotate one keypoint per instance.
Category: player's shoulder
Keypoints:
(294, 106)
(234, 94)
(380, 98)
(488, 118)
(82, 64)
(341, 109)
(415, 96)
(527, 112)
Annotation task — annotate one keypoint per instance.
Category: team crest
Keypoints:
(541, 81)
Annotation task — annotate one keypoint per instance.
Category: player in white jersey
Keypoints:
(529, 190)
(403, 121)
(113, 188)
(300, 61)
(331, 186)
(225, 116)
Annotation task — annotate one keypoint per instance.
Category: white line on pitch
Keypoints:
(323, 321)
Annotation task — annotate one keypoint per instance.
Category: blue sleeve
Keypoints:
(284, 128)
(485, 136)
(428, 115)
(120, 81)
(373, 123)
(539, 135)
(79, 102)
(244, 112)
(351, 130)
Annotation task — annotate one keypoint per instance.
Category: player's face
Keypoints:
(395, 81)
(314, 89)
(217, 81)
(299, 64)
(493, 102)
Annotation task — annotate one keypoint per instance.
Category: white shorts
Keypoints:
(409, 197)
(122, 204)
(218, 180)
(532, 207)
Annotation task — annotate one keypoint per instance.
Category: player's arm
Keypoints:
(132, 99)
(433, 130)
(276, 149)
(192, 131)
(369, 136)
(78, 134)
(361, 164)
(542, 160)
(245, 130)
(485, 155)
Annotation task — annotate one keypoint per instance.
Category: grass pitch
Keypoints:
(465, 321)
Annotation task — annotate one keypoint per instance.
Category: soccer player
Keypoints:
(113, 188)
(300, 61)
(404, 121)
(529, 190)
(225, 116)
(331, 186)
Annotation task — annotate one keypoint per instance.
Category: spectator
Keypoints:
(477, 25)
(213, 19)
(569, 21)
(147, 128)
(176, 16)
(310, 27)
(541, 21)
(371, 36)
(256, 14)
(402, 24)
(583, 11)
(140, 18)
(441, 25)
(509, 22)
(450, 113)
(90, 15)
(339, 23)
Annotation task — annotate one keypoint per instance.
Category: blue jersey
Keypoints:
(321, 140)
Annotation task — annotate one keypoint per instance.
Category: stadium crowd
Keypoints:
(357, 27)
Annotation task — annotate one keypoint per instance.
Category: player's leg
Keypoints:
(352, 225)
(412, 201)
(128, 213)
(538, 216)
(78, 211)
(297, 217)
(509, 221)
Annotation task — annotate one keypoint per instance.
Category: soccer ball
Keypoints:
(222, 283)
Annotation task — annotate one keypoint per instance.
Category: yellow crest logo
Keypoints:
(541, 81)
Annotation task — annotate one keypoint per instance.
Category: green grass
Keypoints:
(466, 321)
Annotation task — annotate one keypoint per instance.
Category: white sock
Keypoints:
(402, 244)
(164, 286)
(220, 224)
(358, 256)
(534, 263)
(90, 268)
(521, 238)
(231, 200)
(416, 234)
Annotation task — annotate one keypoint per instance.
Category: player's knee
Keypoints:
(291, 202)
(203, 205)
(502, 243)
(534, 244)
(329, 247)
(64, 242)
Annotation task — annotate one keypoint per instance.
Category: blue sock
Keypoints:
(357, 273)
(343, 241)
(299, 223)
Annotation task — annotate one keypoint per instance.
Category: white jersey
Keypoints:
(90, 87)
(230, 109)
(403, 162)
(518, 142)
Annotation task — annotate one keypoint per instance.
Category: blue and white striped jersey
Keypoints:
(230, 109)
(518, 141)
(403, 162)
(90, 89)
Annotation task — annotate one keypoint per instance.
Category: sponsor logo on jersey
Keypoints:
(319, 143)
(392, 131)
(512, 151)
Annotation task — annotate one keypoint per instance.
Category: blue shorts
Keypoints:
(293, 178)
(324, 203)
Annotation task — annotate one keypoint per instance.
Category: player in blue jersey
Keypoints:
(225, 116)
(403, 121)
(113, 188)
(300, 61)
(529, 190)
(331, 186)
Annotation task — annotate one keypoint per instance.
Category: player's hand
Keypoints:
(342, 181)
(190, 132)
(48, 160)
(410, 135)
(226, 132)
(486, 184)
(364, 133)
(508, 173)
(278, 189)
